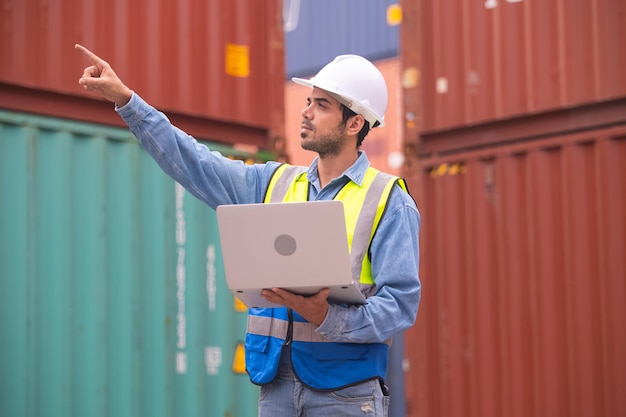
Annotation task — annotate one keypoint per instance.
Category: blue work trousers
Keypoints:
(288, 397)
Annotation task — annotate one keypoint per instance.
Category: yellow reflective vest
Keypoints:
(317, 361)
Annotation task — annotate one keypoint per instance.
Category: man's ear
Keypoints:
(355, 124)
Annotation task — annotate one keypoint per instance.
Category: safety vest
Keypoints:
(319, 362)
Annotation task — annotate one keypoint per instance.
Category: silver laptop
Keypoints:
(301, 247)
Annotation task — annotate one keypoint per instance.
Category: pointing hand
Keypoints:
(100, 78)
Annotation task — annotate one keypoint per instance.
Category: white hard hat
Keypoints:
(356, 83)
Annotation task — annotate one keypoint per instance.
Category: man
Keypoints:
(311, 357)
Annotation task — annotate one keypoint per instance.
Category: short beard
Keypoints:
(328, 145)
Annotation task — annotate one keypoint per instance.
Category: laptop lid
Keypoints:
(298, 246)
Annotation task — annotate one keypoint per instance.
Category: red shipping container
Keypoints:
(486, 60)
(524, 281)
(216, 68)
(515, 137)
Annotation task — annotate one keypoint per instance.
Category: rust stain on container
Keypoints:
(177, 55)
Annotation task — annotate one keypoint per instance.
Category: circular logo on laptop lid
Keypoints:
(285, 245)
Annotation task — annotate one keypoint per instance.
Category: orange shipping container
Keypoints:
(216, 68)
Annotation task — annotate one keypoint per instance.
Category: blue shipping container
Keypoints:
(319, 30)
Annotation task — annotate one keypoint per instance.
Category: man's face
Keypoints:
(322, 129)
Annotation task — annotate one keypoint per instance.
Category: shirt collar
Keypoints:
(355, 172)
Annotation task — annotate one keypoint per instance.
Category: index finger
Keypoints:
(95, 59)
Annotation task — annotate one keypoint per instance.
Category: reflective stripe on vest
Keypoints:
(302, 331)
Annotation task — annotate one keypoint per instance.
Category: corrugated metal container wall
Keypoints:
(524, 281)
(112, 293)
(319, 30)
(489, 59)
(193, 59)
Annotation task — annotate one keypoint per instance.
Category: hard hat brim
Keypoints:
(338, 97)
(302, 81)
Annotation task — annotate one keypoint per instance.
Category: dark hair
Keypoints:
(348, 113)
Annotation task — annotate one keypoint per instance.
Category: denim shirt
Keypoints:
(217, 180)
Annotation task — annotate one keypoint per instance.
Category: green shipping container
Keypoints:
(112, 293)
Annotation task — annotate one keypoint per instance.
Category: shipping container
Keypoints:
(113, 300)
(216, 68)
(316, 31)
(523, 265)
(514, 133)
(487, 60)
